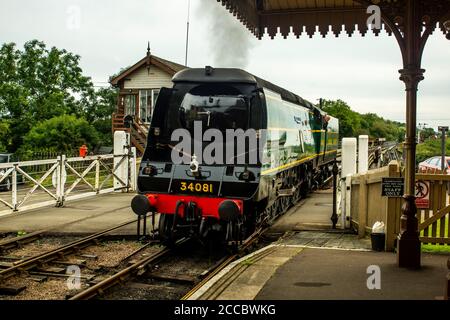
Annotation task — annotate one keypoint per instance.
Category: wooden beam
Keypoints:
(312, 18)
(433, 177)
(246, 12)
(332, 10)
(435, 240)
(438, 215)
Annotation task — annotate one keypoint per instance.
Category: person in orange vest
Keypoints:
(83, 151)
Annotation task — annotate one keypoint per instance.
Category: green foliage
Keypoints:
(349, 120)
(21, 233)
(103, 127)
(60, 134)
(99, 110)
(40, 83)
(352, 123)
(427, 133)
(101, 105)
(431, 148)
(4, 135)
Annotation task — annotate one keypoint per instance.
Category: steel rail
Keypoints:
(11, 243)
(20, 240)
(226, 261)
(51, 255)
(121, 276)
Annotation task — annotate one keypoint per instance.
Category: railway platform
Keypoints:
(297, 272)
(311, 261)
(79, 217)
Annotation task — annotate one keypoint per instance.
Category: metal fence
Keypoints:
(33, 184)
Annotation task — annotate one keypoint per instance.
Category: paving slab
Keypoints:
(312, 213)
(243, 279)
(323, 264)
(89, 215)
(329, 274)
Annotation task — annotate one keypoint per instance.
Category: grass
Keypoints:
(248, 262)
(90, 177)
(437, 248)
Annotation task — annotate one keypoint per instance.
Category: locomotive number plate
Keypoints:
(196, 187)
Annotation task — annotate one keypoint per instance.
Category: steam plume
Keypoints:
(229, 41)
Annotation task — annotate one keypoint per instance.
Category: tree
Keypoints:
(352, 123)
(99, 109)
(63, 134)
(427, 133)
(349, 120)
(430, 148)
(101, 105)
(38, 84)
(4, 136)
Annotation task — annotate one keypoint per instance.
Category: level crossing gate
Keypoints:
(35, 184)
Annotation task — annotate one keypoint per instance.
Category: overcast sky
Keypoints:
(112, 34)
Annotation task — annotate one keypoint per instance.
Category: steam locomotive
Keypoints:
(252, 150)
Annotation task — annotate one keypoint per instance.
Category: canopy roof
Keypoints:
(411, 21)
(304, 16)
(168, 66)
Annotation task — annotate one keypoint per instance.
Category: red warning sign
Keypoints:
(422, 194)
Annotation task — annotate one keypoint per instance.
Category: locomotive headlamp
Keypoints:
(247, 175)
(447, 28)
(209, 70)
(194, 166)
(150, 170)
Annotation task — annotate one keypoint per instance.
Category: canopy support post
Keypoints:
(408, 246)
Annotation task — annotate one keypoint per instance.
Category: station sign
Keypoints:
(392, 187)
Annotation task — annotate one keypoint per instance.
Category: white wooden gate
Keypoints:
(34, 184)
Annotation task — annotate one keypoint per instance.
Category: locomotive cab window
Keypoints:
(218, 112)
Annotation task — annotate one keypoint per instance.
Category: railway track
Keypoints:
(143, 270)
(129, 270)
(42, 260)
(225, 262)
(19, 241)
(135, 269)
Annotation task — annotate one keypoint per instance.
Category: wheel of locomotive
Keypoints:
(269, 214)
(260, 218)
(166, 233)
(250, 222)
(297, 195)
(276, 210)
(285, 203)
(319, 179)
(306, 185)
(325, 175)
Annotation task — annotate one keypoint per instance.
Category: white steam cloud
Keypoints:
(229, 41)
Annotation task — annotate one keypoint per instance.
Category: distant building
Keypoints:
(139, 87)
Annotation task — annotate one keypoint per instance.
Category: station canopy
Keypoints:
(410, 21)
(305, 17)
